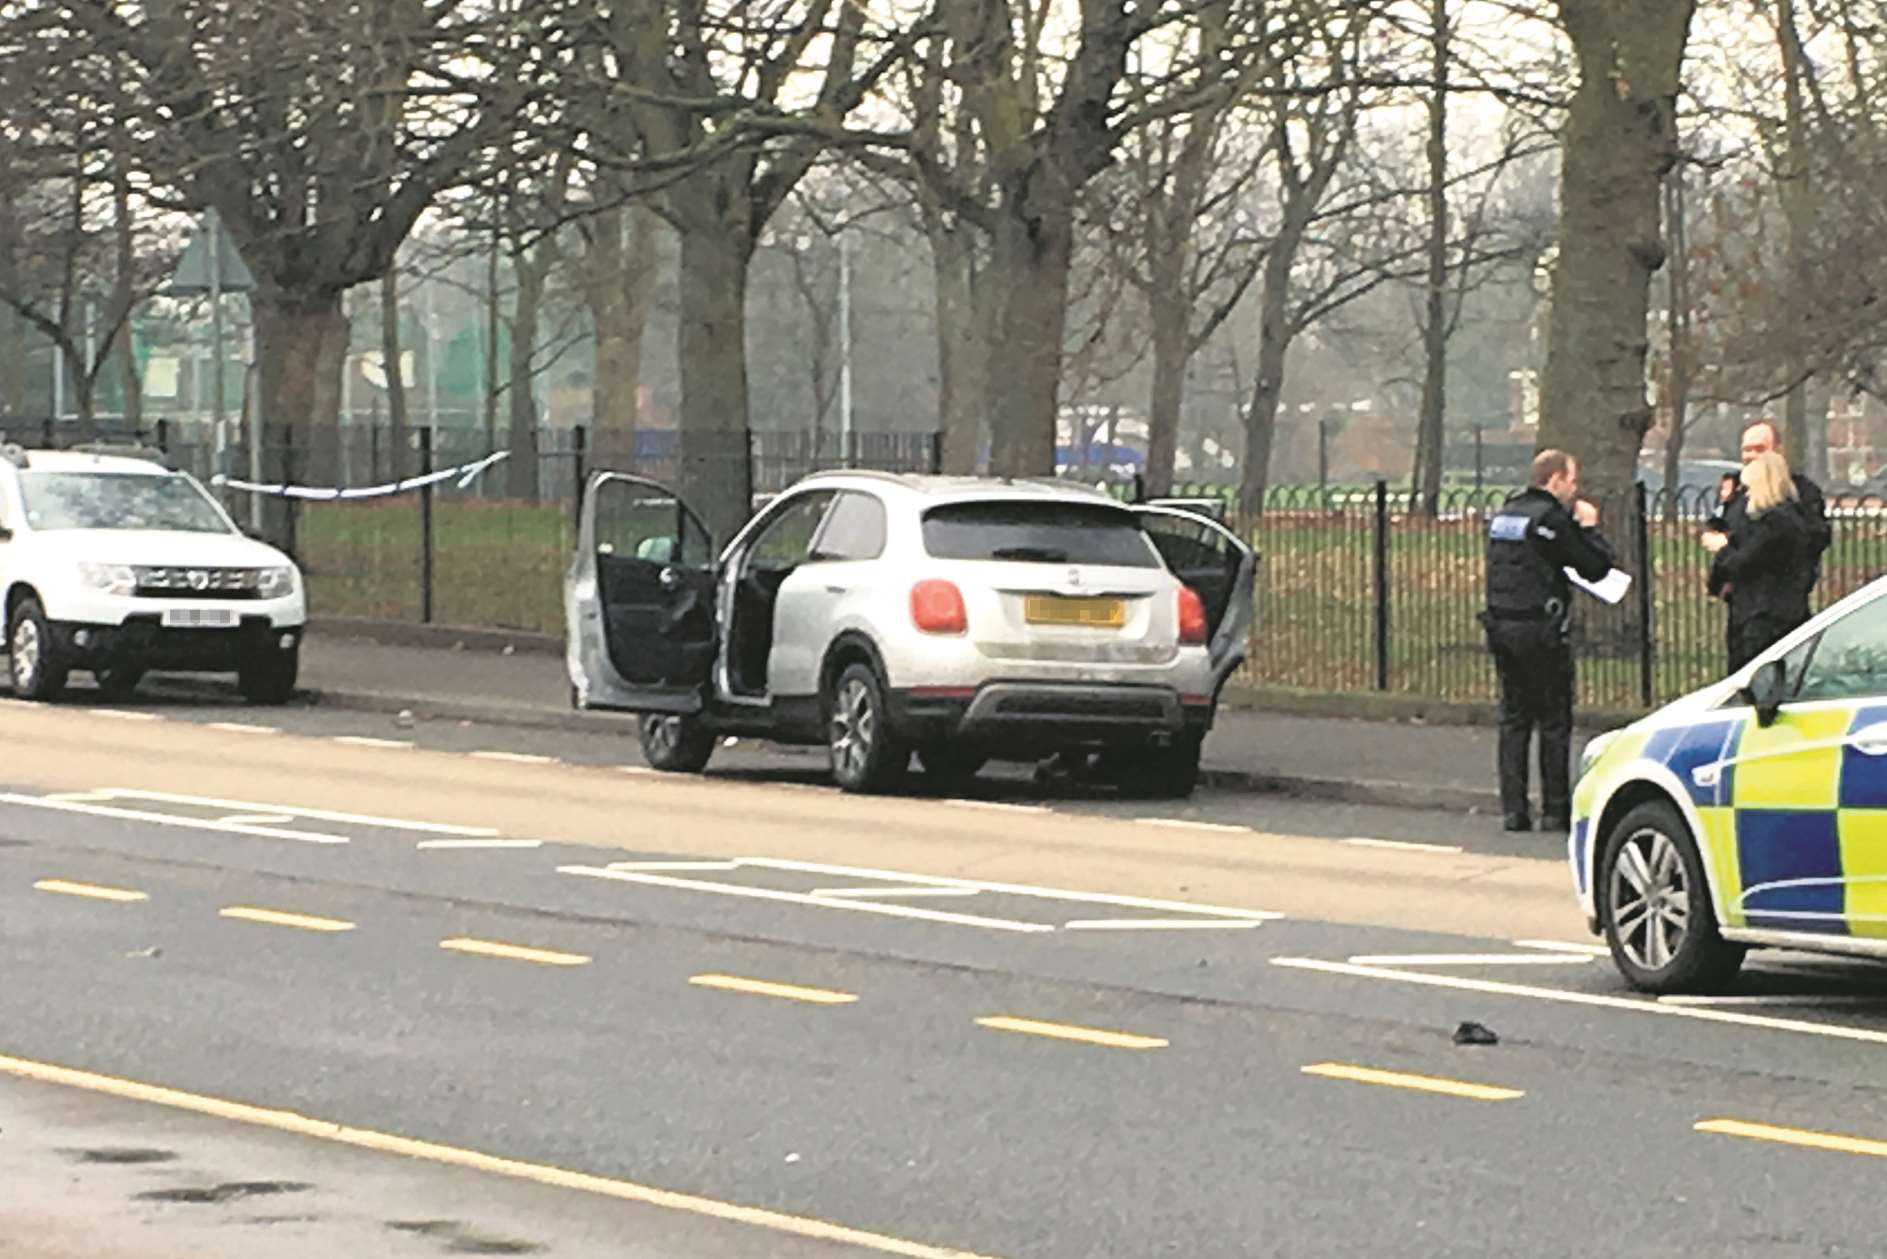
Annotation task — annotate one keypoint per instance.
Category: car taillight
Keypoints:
(937, 608)
(1192, 617)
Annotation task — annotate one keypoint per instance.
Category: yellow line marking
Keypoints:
(92, 890)
(1795, 1136)
(1068, 1031)
(762, 988)
(516, 952)
(1421, 1083)
(276, 918)
(539, 1173)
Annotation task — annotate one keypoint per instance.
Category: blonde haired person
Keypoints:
(1759, 563)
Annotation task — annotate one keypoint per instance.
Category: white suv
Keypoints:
(961, 619)
(113, 562)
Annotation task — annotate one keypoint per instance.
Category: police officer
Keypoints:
(1537, 535)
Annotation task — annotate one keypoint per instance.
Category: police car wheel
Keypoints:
(1654, 903)
(675, 745)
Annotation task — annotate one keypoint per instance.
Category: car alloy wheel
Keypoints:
(1650, 899)
(1654, 902)
(854, 730)
(25, 655)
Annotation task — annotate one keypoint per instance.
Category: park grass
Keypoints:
(500, 564)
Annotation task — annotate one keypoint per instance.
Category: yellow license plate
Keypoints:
(1062, 610)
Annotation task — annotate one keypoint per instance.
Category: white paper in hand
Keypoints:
(1611, 587)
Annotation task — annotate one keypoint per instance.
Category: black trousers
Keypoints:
(1535, 665)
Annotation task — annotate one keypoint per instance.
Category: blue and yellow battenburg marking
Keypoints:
(1794, 818)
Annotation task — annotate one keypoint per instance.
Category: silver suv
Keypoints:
(961, 619)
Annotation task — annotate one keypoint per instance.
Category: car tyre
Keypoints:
(269, 677)
(675, 744)
(1654, 905)
(38, 670)
(118, 681)
(1162, 773)
(867, 754)
(949, 765)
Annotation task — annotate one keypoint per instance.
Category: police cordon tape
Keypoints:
(465, 472)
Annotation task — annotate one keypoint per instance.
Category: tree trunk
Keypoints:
(619, 281)
(1678, 232)
(397, 461)
(1033, 247)
(1620, 141)
(1267, 387)
(962, 353)
(1431, 423)
(1172, 351)
(716, 476)
(123, 299)
(301, 337)
(12, 327)
(529, 269)
(1793, 176)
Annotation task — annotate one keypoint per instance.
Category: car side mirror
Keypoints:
(1764, 691)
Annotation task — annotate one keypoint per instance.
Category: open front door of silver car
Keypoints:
(639, 600)
(1218, 566)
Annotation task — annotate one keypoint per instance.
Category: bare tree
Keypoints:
(1619, 143)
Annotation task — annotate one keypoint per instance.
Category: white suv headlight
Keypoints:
(1594, 749)
(275, 583)
(113, 579)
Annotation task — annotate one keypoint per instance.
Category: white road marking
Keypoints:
(876, 892)
(516, 758)
(363, 741)
(1758, 999)
(800, 898)
(904, 883)
(1186, 824)
(238, 727)
(169, 819)
(1471, 959)
(319, 815)
(256, 819)
(1013, 889)
(122, 714)
(643, 771)
(1400, 845)
(1161, 924)
(480, 843)
(1833, 1031)
(997, 806)
(1564, 946)
(79, 797)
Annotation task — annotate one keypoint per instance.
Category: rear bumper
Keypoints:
(1043, 717)
(141, 642)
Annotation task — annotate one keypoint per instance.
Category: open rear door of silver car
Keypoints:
(639, 600)
(1218, 566)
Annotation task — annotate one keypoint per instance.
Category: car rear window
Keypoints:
(1037, 533)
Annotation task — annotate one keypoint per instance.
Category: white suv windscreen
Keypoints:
(1039, 533)
(118, 500)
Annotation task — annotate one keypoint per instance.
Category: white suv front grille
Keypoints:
(196, 582)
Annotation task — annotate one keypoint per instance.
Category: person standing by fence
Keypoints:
(1759, 565)
(1536, 536)
(1762, 438)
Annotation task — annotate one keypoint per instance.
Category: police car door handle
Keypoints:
(1870, 740)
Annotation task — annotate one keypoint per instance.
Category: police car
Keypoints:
(1750, 813)
(114, 563)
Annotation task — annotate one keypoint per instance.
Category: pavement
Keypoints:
(275, 991)
(1399, 764)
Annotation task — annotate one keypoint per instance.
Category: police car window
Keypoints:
(853, 530)
(1849, 660)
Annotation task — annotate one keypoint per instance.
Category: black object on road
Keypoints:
(1471, 1033)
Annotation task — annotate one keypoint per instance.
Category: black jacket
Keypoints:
(1762, 567)
(1531, 541)
(1813, 510)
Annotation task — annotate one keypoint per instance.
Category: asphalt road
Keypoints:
(295, 982)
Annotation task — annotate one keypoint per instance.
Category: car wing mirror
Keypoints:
(1764, 691)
